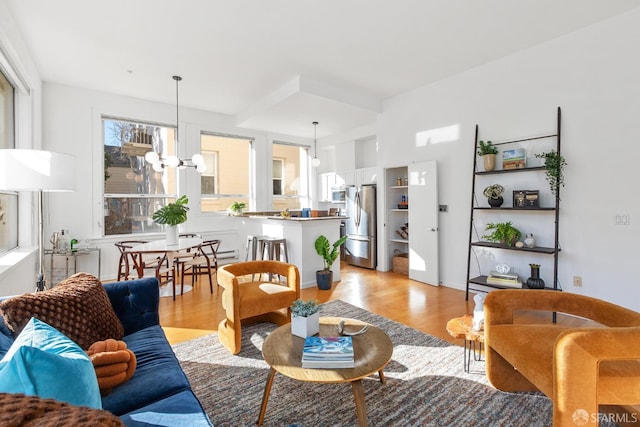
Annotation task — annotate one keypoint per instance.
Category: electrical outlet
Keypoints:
(444, 208)
(577, 281)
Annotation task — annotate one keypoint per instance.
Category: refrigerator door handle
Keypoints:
(358, 208)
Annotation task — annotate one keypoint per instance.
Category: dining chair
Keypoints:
(131, 262)
(203, 262)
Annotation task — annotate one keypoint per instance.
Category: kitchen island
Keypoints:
(301, 234)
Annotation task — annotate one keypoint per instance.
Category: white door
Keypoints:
(423, 222)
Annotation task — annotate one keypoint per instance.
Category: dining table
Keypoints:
(162, 247)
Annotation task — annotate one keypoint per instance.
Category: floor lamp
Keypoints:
(37, 171)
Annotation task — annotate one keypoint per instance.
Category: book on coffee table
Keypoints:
(328, 352)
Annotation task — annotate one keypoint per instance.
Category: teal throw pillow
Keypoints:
(44, 362)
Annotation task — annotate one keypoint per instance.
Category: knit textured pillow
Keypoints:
(78, 307)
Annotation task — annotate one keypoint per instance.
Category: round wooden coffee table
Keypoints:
(283, 352)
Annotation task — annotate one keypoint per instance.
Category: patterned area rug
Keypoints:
(426, 385)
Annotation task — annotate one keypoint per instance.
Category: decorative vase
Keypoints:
(305, 326)
(496, 203)
(489, 161)
(172, 235)
(324, 279)
(535, 282)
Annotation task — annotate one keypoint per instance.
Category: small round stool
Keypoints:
(462, 328)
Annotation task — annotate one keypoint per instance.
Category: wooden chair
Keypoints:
(247, 301)
(204, 261)
(142, 265)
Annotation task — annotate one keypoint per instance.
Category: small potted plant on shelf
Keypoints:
(488, 152)
(493, 193)
(305, 318)
(172, 215)
(236, 208)
(329, 253)
(502, 232)
(553, 165)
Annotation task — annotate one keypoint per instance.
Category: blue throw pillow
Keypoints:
(44, 362)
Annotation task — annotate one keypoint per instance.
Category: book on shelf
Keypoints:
(504, 279)
(328, 352)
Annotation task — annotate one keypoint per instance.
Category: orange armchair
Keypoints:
(577, 368)
(246, 300)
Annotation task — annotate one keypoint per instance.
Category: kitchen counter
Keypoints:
(301, 234)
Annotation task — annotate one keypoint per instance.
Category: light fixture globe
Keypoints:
(158, 166)
(151, 157)
(201, 168)
(315, 162)
(172, 161)
(197, 159)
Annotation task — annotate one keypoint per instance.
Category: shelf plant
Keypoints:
(502, 232)
(488, 152)
(494, 194)
(554, 164)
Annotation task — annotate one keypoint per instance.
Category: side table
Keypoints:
(69, 255)
(462, 328)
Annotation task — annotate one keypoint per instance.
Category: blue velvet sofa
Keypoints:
(159, 393)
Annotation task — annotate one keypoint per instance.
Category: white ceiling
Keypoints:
(278, 65)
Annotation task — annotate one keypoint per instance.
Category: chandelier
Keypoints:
(159, 163)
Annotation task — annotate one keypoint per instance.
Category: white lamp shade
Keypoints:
(201, 167)
(157, 166)
(34, 170)
(172, 161)
(315, 162)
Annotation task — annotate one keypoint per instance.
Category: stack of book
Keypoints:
(504, 279)
(328, 352)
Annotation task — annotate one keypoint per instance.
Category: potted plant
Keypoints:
(171, 215)
(502, 232)
(237, 207)
(329, 253)
(488, 152)
(305, 318)
(493, 193)
(553, 165)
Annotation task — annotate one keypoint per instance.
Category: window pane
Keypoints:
(290, 186)
(228, 171)
(130, 215)
(127, 175)
(8, 200)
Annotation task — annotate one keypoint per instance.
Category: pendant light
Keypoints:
(315, 162)
(159, 162)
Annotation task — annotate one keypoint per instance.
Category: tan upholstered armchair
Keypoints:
(577, 368)
(245, 299)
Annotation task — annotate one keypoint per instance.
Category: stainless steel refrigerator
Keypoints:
(360, 247)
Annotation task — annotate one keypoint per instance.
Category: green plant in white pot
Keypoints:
(305, 318)
(172, 215)
(236, 208)
(329, 254)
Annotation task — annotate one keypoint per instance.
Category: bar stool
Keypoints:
(274, 248)
(253, 243)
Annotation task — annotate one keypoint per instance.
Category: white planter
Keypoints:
(305, 326)
(172, 235)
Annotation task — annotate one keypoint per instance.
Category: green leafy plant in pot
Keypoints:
(172, 215)
(329, 253)
(493, 193)
(502, 232)
(554, 164)
(488, 152)
(237, 207)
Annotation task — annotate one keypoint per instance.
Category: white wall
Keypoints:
(593, 75)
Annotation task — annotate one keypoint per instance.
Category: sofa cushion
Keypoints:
(43, 362)
(158, 373)
(180, 409)
(78, 307)
(22, 410)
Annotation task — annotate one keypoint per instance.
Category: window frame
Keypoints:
(12, 197)
(304, 199)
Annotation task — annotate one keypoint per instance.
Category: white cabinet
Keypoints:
(327, 180)
(365, 176)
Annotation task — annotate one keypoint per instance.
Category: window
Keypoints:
(278, 174)
(290, 183)
(228, 175)
(8, 199)
(133, 191)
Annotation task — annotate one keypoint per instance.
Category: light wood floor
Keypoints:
(415, 304)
